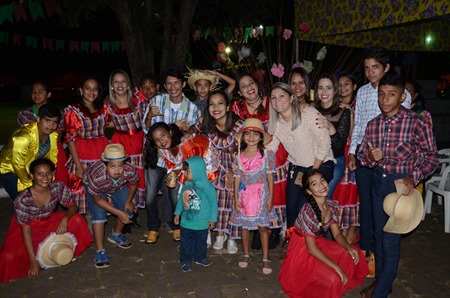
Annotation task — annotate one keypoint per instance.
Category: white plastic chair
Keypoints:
(444, 162)
(442, 188)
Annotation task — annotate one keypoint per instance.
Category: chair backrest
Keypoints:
(444, 160)
(444, 178)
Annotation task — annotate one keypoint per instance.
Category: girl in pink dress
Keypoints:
(315, 266)
(253, 189)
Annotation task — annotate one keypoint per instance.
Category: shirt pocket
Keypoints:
(403, 151)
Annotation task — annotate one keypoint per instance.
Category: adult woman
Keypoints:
(293, 124)
(35, 219)
(126, 109)
(336, 120)
(300, 84)
(85, 124)
(254, 105)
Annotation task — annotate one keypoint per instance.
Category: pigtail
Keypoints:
(318, 213)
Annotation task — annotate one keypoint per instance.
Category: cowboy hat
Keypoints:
(56, 250)
(194, 75)
(405, 212)
(114, 152)
(253, 124)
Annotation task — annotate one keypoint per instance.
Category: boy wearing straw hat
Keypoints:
(113, 176)
(399, 145)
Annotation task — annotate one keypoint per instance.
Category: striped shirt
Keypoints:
(26, 209)
(407, 143)
(366, 109)
(98, 181)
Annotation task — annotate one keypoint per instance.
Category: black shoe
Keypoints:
(274, 238)
(256, 241)
(126, 229)
(134, 222)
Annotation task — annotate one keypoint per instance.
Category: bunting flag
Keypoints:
(106, 47)
(31, 41)
(74, 46)
(6, 13)
(95, 47)
(270, 31)
(84, 46)
(47, 43)
(60, 44)
(52, 7)
(4, 38)
(35, 10)
(19, 12)
(17, 40)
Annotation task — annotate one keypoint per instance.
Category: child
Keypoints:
(40, 94)
(205, 81)
(197, 206)
(398, 144)
(113, 176)
(253, 188)
(35, 218)
(149, 86)
(315, 266)
(376, 65)
(34, 140)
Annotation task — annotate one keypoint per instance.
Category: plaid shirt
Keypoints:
(366, 109)
(26, 209)
(407, 143)
(98, 180)
(79, 124)
(29, 115)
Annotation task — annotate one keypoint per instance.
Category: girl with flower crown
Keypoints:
(314, 264)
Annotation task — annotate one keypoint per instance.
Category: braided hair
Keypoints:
(305, 182)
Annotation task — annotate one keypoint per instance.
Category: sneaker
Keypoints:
(186, 268)
(232, 246)
(152, 237)
(220, 240)
(101, 259)
(119, 240)
(204, 263)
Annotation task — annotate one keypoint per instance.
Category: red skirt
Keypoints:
(302, 275)
(14, 261)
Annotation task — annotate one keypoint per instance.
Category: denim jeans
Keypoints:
(339, 170)
(363, 176)
(9, 183)
(154, 179)
(387, 245)
(118, 198)
(295, 197)
(193, 245)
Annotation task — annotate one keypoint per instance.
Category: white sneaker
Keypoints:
(220, 240)
(232, 246)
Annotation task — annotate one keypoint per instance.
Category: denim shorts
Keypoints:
(118, 198)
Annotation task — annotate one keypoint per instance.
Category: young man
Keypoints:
(376, 65)
(398, 145)
(31, 141)
(172, 107)
(113, 176)
(149, 86)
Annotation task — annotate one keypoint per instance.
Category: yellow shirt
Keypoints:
(21, 150)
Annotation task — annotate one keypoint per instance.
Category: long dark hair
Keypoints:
(151, 150)
(261, 146)
(209, 123)
(351, 77)
(305, 182)
(304, 74)
(334, 109)
(98, 102)
(260, 110)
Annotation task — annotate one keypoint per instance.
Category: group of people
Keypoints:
(319, 167)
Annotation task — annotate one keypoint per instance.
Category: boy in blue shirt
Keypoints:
(197, 205)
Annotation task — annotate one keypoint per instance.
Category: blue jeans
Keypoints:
(9, 182)
(363, 176)
(339, 170)
(154, 179)
(119, 198)
(193, 245)
(387, 245)
(295, 197)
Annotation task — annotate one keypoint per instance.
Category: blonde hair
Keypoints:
(295, 109)
(112, 93)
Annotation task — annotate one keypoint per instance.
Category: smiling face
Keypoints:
(162, 138)
(120, 84)
(281, 101)
(42, 175)
(252, 138)
(202, 87)
(318, 186)
(374, 71)
(174, 86)
(39, 94)
(248, 89)
(346, 89)
(298, 86)
(217, 107)
(325, 92)
(89, 91)
(389, 99)
(149, 87)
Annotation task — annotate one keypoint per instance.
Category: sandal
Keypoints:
(244, 262)
(265, 269)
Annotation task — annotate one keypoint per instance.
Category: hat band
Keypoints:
(114, 158)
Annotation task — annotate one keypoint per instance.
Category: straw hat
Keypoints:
(56, 250)
(114, 152)
(405, 212)
(253, 124)
(194, 75)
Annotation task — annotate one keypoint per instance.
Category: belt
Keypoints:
(130, 132)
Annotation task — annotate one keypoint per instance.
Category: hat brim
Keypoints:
(44, 246)
(108, 159)
(267, 138)
(194, 76)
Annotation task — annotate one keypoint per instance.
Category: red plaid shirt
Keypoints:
(407, 143)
